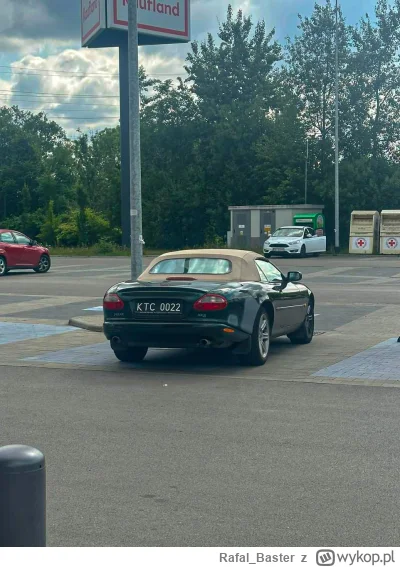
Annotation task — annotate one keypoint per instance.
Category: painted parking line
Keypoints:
(16, 332)
(381, 362)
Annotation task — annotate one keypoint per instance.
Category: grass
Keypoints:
(86, 251)
(112, 250)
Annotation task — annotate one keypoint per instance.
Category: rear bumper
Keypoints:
(172, 335)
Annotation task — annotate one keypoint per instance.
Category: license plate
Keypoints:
(280, 249)
(157, 307)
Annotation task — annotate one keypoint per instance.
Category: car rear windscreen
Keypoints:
(206, 266)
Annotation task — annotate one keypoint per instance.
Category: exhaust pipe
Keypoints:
(116, 341)
(205, 343)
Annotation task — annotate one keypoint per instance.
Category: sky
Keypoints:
(44, 68)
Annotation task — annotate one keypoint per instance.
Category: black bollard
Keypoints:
(22, 497)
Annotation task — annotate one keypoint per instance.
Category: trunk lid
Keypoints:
(169, 300)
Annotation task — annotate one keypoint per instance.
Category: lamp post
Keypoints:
(337, 235)
(134, 138)
(306, 176)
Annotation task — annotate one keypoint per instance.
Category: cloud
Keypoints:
(59, 20)
(78, 88)
(39, 19)
(42, 37)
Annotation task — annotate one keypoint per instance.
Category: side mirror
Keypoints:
(294, 276)
(308, 235)
(33, 243)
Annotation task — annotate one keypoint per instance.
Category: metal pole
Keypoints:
(134, 138)
(124, 137)
(22, 497)
(337, 235)
(306, 177)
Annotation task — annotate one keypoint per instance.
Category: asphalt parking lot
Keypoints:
(197, 451)
(345, 287)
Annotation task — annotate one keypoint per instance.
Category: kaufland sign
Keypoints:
(159, 18)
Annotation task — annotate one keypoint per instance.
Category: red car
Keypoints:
(18, 252)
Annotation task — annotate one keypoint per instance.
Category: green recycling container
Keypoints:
(313, 220)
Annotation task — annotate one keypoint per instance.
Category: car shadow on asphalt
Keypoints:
(195, 360)
(22, 273)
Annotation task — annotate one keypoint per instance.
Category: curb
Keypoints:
(86, 325)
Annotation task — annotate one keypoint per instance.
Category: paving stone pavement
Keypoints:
(380, 362)
(23, 331)
(364, 352)
(31, 336)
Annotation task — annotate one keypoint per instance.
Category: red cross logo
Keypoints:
(391, 242)
(361, 243)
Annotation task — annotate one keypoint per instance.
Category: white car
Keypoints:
(294, 241)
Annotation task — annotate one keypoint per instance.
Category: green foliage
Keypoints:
(232, 133)
(49, 229)
(26, 200)
(237, 69)
(30, 224)
(83, 227)
(104, 246)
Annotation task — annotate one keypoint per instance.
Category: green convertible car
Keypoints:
(230, 299)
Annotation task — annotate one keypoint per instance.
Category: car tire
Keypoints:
(267, 255)
(260, 341)
(304, 334)
(44, 265)
(3, 266)
(303, 251)
(134, 354)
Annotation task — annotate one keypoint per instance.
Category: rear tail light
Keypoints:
(211, 302)
(112, 302)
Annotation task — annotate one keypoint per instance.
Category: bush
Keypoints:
(28, 223)
(68, 232)
(92, 225)
(215, 242)
(97, 227)
(104, 246)
(49, 228)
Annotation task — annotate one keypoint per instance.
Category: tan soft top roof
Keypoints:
(243, 266)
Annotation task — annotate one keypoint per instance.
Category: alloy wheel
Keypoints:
(310, 321)
(2, 266)
(263, 335)
(44, 264)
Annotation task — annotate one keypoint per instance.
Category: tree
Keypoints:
(310, 71)
(49, 229)
(26, 200)
(82, 200)
(85, 166)
(169, 134)
(106, 154)
(375, 77)
(237, 70)
(281, 159)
